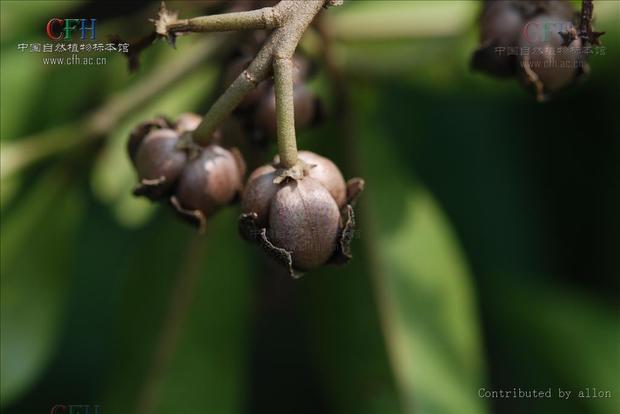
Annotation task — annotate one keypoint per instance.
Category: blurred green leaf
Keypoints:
(19, 16)
(207, 371)
(17, 101)
(566, 339)
(376, 20)
(347, 340)
(427, 304)
(36, 263)
(8, 190)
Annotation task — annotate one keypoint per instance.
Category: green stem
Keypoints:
(285, 111)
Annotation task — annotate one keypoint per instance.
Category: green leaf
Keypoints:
(8, 190)
(36, 261)
(427, 303)
(207, 370)
(566, 339)
(401, 19)
(346, 339)
(23, 79)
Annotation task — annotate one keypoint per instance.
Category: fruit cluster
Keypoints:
(535, 41)
(196, 181)
(301, 220)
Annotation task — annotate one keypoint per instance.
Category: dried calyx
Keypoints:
(303, 223)
(196, 181)
(534, 41)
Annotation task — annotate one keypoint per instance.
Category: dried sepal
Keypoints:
(248, 227)
(279, 254)
(343, 249)
(296, 172)
(355, 186)
(142, 130)
(159, 163)
(194, 217)
(595, 38)
(250, 231)
(151, 188)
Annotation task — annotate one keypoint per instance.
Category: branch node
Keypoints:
(271, 18)
(164, 19)
(333, 3)
(250, 78)
(290, 20)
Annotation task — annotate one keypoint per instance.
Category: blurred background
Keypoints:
(486, 256)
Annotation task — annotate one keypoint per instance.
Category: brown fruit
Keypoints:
(555, 65)
(501, 23)
(187, 122)
(500, 26)
(138, 134)
(210, 181)
(304, 219)
(259, 192)
(158, 159)
(298, 221)
(325, 171)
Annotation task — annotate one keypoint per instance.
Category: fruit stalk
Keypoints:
(285, 111)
